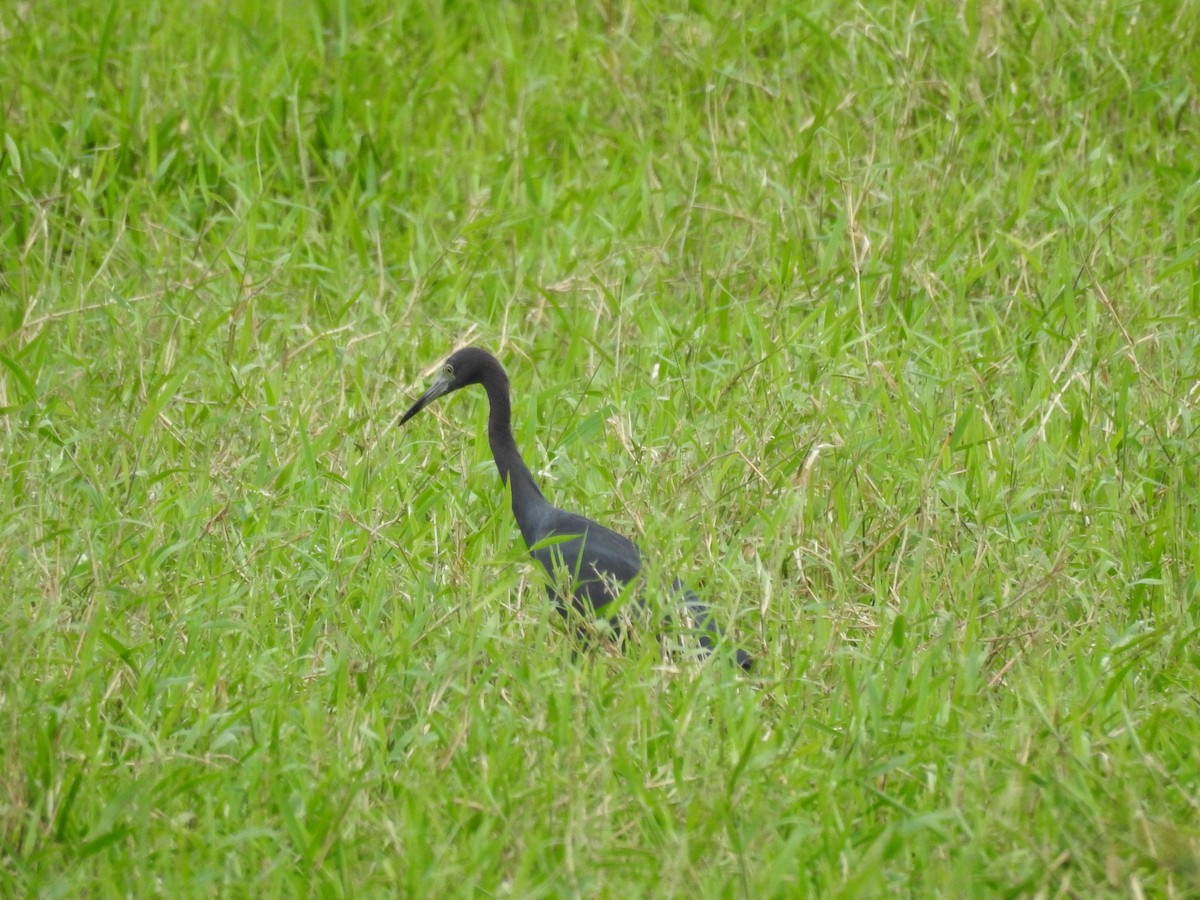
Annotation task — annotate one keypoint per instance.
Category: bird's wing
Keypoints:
(584, 559)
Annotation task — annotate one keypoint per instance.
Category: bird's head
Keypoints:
(464, 367)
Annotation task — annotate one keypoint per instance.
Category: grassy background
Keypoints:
(877, 323)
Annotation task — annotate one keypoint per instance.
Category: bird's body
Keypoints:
(589, 565)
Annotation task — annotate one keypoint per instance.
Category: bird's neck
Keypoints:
(527, 499)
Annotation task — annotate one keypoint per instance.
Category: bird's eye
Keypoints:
(448, 369)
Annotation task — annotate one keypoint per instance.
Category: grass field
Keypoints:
(878, 323)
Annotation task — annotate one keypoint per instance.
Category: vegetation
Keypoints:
(878, 322)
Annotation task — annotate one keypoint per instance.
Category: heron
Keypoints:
(599, 564)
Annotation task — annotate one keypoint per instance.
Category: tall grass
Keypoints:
(877, 323)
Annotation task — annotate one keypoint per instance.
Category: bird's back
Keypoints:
(588, 564)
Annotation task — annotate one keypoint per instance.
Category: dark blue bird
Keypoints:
(597, 563)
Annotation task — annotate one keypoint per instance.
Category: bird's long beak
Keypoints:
(439, 387)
